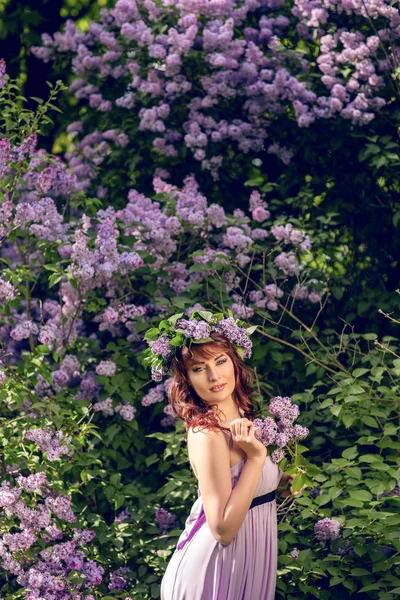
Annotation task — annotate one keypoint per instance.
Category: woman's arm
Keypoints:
(225, 509)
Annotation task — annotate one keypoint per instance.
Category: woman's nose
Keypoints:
(212, 375)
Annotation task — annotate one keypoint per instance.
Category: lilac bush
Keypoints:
(228, 68)
(62, 569)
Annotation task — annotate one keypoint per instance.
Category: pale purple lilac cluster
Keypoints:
(235, 334)
(44, 573)
(154, 395)
(327, 530)
(117, 579)
(7, 290)
(283, 431)
(107, 368)
(55, 444)
(126, 411)
(196, 330)
(123, 515)
(170, 419)
(165, 520)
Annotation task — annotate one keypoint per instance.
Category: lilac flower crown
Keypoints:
(176, 332)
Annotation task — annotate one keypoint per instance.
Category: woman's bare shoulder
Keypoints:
(200, 439)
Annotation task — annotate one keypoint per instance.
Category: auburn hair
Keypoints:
(187, 404)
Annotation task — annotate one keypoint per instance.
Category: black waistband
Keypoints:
(263, 499)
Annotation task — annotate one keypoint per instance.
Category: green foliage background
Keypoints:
(343, 184)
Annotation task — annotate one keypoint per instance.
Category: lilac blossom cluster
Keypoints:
(154, 395)
(43, 174)
(327, 530)
(235, 334)
(196, 330)
(126, 411)
(106, 367)
(55, 444)
(7, 290)
(244, 62)
(170, 419)
(280, 433)
(165, 520)
(44, 573)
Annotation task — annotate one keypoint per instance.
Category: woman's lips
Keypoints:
(217, 388)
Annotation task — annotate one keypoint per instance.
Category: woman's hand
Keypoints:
(243, 432)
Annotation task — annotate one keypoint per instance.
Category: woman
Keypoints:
(228, 550)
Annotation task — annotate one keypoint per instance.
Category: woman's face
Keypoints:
(213, 379)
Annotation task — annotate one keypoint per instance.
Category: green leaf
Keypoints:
(152, 334)
(370, 421)
(350, 453)
(177, 340)
(202, 341)
(359, 372)
(251, 330)
(172, 320)
(355, 389)
(362, 495)
(299, 481)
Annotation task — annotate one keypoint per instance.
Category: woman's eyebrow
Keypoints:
(202, 362)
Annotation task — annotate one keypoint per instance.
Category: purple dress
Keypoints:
(203, 569)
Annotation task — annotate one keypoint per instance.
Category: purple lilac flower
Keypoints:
(277, 456)
(283, 409)
(345, 550)
(60, 378)
(3, 377)
(157, 375)
(105, 406)
(55, 444)
(168, 421)
(237, 335)
(7, 290)
(300, 432)
(165, 520)
(61, 507)
(294, 553)
(266, 430)
(4, 154)
(260, 214)
(156, 394)
(124, 514)
(117, 581)
(106, 367)
(194, 329)
(83, 536)
(327, 530)
(162, 347)
(8, 496)
(24, 330)
(32, 482)
(20, 541)
(48, 333)
(126, 411)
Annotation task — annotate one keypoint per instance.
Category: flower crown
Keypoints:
(177, 332)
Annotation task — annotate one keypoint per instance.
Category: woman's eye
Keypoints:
(220, 362)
